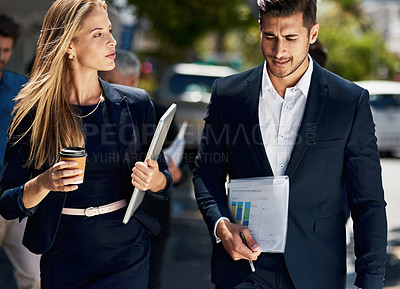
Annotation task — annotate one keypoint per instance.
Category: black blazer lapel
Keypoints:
(307, 132)
(117, 109)
(252, 96)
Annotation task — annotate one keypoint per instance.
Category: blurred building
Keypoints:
(30, 14)
(385, 14)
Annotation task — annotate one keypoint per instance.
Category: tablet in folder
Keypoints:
(153, 153)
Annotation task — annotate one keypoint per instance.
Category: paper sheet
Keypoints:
(261, 204)
(176, 149)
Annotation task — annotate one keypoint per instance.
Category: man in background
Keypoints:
(127, 72)
(25, 263)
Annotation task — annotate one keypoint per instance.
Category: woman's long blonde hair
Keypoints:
(54, 125)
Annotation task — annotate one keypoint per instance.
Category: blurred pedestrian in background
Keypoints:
(78, 228)
(25, 263)
(127, 72)
(289, 116)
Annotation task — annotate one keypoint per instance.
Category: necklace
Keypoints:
(83, 116)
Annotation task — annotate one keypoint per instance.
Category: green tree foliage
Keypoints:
(356, 50)
(180, 23)
(352, 6)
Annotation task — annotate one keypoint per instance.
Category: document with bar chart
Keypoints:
(241, 212)
(261, 204)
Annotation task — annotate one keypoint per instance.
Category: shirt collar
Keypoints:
(303, 84)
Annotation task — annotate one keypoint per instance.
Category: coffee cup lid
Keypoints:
(73, 152)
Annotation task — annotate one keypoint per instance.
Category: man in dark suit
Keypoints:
(289, 116)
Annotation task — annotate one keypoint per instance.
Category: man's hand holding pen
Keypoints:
(250, 261)
(229, 234)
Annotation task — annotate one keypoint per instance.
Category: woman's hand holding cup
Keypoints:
(63, 177)
(68, 172)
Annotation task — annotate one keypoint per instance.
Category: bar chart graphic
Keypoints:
(241, 212)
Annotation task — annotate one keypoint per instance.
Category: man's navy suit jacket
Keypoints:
(335, 156)
(132, 114)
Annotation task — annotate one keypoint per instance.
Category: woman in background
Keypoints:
(65, 104)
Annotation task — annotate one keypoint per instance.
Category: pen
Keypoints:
(250, 261)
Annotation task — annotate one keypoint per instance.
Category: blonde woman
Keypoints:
(65, 104)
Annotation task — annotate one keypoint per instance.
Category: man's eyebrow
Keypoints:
(269, 34)
(291, 35)
(286, 36)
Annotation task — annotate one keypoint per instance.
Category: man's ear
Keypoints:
(314, 33)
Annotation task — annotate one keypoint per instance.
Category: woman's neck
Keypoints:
(84, 89)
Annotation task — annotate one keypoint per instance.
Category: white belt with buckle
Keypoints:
(94, 211)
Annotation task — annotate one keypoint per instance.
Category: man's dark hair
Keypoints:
(286, 8)
(8, 28)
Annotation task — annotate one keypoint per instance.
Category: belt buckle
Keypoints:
(92, 211)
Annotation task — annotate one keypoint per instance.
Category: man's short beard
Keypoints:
(291, 72)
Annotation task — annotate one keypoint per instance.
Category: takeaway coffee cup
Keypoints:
(76, 154)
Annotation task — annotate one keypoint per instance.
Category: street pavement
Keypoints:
(188, 252)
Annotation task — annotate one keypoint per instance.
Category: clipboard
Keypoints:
(261, 204)
(153, 153)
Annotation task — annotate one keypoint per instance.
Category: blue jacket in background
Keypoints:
(10, 85)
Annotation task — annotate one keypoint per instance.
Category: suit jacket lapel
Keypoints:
(125, 125)
(315, 102)
(252, 94)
